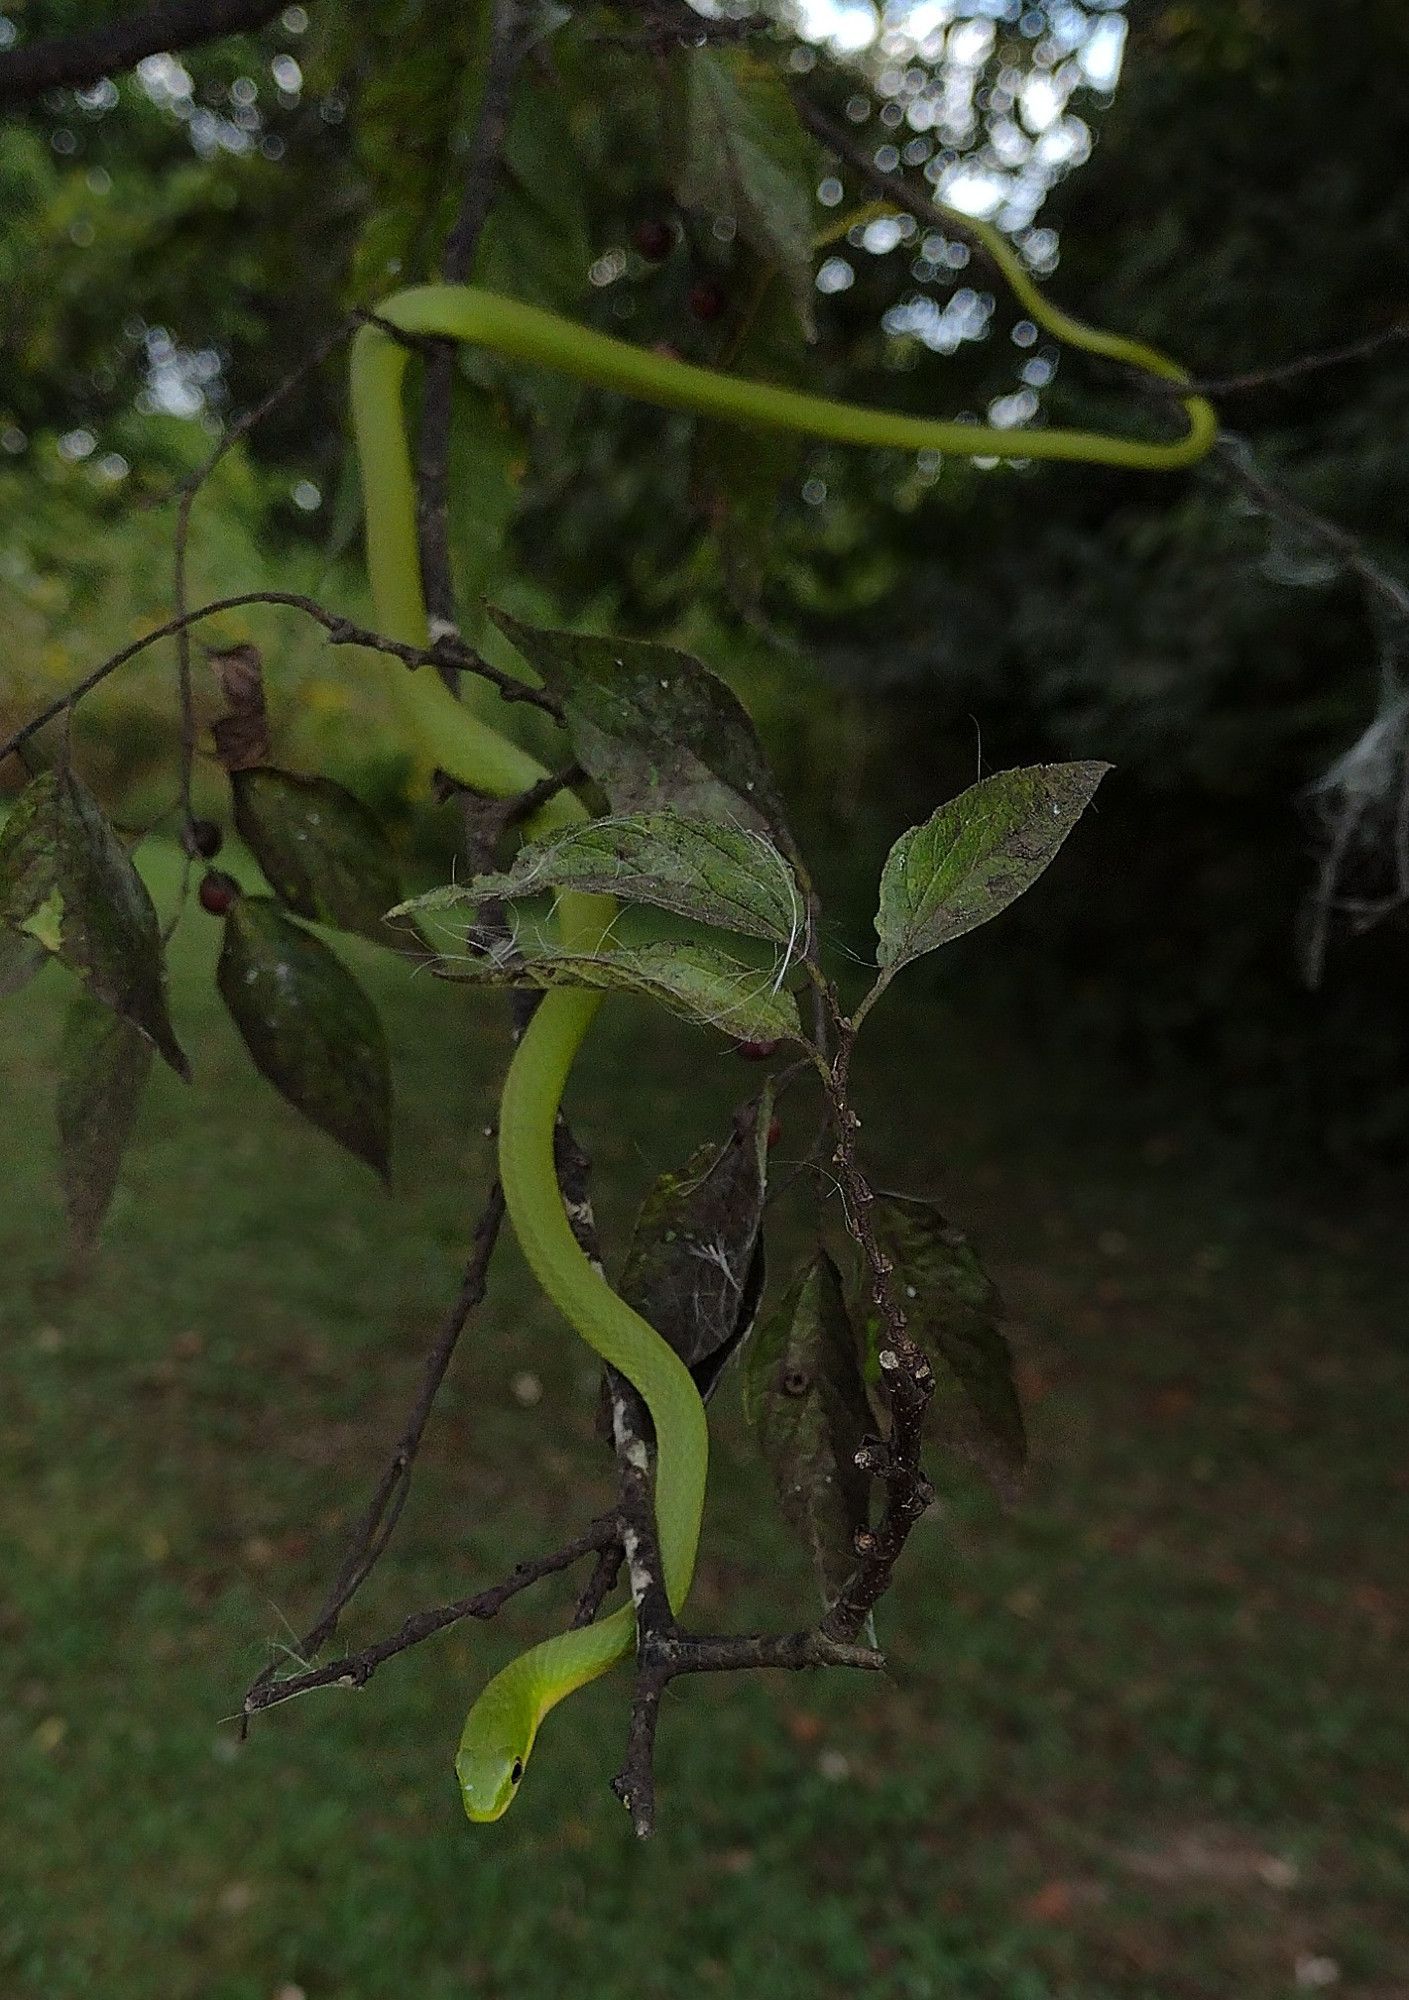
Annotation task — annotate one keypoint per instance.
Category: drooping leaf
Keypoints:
(953, 1310)
(976, 855)
(804, 1393)
(743, 153)
(104, 1064)
(67, 884)
(20, 958)
(655, 727)
(323, 852)
(695, 1266)
(693, 980)
(242, 733)
(721, 875)
(309, 1026)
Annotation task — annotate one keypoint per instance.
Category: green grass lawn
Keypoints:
(1144, 1736)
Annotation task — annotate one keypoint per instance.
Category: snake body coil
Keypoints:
(500, 1729)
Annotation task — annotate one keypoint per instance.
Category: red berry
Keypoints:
(217, 892)
(202, 837)
(756, 1051)
(654, 239)
(775, 1133)
(707, 301)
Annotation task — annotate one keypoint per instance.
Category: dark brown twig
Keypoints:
(341, 632)
(72, 62)
(1380, 585)
(354, 1670)
(374, 1530)
(1282, 372)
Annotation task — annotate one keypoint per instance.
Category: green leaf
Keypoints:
(655, 727)
(310, 1028)
(324, 853)
(804, 1393)
(487, 460)
(693, 980)
(104, 1064)
(695, 1266)
(976, 855)
(20, 958)
(954, 1312)
(721, 875)
(744, 154)
(66, 882)
(535, 244)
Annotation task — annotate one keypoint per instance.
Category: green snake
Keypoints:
(502, 1725)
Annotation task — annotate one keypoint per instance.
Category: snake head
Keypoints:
(489, 1775)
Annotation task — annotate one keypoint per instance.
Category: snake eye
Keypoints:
(517, 1771)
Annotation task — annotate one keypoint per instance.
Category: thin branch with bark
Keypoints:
(73, 62)
(453, 653)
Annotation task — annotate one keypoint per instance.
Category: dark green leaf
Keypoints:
(309, 1027)
(535, 244)
(324, 854)
(695, 1266)
(693, 980)
(655, 727)
(719, 875)
(20, 958)
(976, 855)
(804, 1393)
(104, 1064)
(66, 882)
(955, 1314)
(744, 154)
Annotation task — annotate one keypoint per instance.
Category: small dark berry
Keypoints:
(654, 239)
(203, 837)
(706, 301)
(775, 1133)
(217, 892)
(756, 1051)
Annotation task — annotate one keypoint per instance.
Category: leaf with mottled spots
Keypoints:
(954, 1312)
(805, 1396)
(309, 1026)
(695, 1266)
(323, 852)
(976, 855)
(104, 1064)
(655, 727)
(720, 875)
(693, 980)
(68, 885)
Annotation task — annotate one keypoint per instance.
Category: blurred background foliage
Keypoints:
(1218, 176)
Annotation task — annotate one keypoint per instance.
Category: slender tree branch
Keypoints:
(1380, 585)
(72, 62)
(378, 1523)
(1282, 372)
(341, 632)
(894, 186)
(354, 1670)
